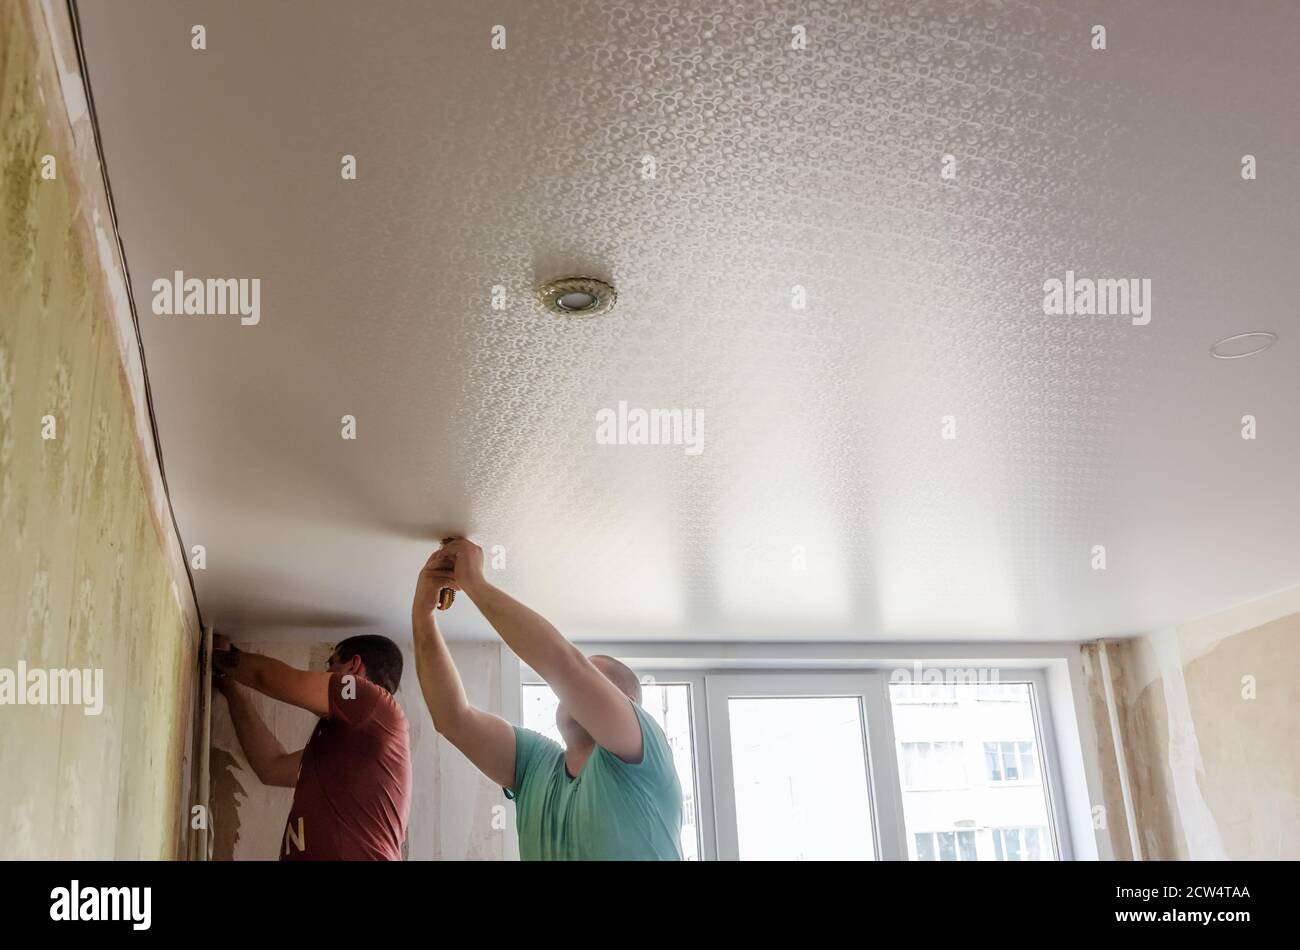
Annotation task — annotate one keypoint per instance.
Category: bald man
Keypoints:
(610, 793)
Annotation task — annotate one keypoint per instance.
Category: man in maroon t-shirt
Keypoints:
(352, 783)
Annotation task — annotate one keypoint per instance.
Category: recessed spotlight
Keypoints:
(577, 297)
(1240, 345)
(576, 301)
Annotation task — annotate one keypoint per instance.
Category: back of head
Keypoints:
(620, 674)
(381, 656)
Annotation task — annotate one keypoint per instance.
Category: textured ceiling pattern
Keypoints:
(692, 157)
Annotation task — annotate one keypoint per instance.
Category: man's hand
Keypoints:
(434, 577)
(220, 681)
(225, 661)
(458, 565)
(466, 560)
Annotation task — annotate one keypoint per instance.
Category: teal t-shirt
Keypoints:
(611, 811)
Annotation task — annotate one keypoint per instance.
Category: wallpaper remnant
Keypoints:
(85, 577)
(1243, 697)
(1238, 798)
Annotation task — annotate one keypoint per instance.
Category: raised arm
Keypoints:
(595, 702)
(270, 763)
(486, 740)
(307, 689)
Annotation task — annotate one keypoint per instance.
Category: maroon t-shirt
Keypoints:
(353, 795)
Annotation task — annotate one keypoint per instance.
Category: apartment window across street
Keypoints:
(946, 846)
(1010, 761)
(1018, 844)
(845, 765)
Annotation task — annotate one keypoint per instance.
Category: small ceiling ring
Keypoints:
(1266, 338)
(577, 297)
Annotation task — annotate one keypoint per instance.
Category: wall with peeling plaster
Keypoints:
(1207, 720)
(456, 813)
(87, 570)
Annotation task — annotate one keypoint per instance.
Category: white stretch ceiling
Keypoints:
(826, 504)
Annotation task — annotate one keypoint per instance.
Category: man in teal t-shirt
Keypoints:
(609, 809)
(610, 793)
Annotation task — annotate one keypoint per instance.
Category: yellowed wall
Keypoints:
(85, 575)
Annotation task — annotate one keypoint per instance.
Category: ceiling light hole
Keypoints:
(577, 297)
(576, 301)
(1241, 345)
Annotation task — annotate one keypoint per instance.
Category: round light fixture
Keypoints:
(1241, 345)
(577, 297)
(576, 301)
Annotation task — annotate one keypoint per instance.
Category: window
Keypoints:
(669, 704)
(1019, 844)
(945, 846)
(1010, 762)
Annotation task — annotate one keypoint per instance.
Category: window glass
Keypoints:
(925, 847)
(966, 841)
(947, 846)
(800, 774)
